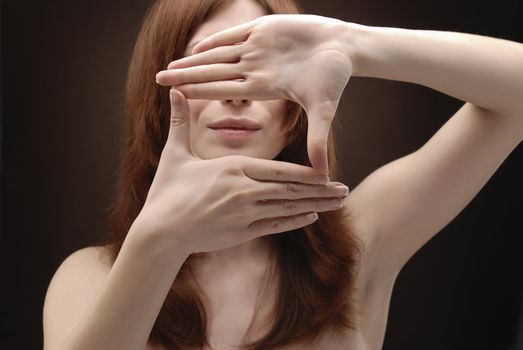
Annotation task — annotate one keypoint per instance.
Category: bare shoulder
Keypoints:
(86, 265)
(98, 256)
(72, 289)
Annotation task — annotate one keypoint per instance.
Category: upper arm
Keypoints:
(403, 204)
(71, 291)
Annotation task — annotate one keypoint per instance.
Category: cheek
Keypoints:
(277, 109)
(276, 139)
(195, 108)
(280, 112)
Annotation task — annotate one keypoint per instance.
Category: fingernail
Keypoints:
(336, 203)
(312, 217)
(342, 188)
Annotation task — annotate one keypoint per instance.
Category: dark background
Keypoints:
(63, 68)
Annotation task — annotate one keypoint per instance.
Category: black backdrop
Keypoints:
(63, 68)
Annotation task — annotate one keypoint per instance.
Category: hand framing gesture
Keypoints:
(294, 57)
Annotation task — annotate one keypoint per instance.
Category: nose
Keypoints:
(237, 102)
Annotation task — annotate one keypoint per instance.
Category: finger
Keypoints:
(281, 224)
(292, 190)
(223, 54)
(178, 143)
(270, 209)
(317, 136)
(199, 74)
(274, 170)
(225, 37)
(218, 90)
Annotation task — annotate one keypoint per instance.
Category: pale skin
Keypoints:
(397, 208)
(207, 196)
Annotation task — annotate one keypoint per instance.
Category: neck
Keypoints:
(247, 255)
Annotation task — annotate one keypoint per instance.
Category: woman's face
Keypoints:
(208, 143)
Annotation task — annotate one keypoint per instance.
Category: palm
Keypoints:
(328, 72)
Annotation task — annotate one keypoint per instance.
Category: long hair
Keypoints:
(314, 267)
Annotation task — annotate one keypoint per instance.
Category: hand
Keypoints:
(295, 57)
(212, 204)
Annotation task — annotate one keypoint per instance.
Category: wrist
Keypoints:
(157, 245)
(355, 39)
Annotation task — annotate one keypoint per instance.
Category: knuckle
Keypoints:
(217, 88)
(239, 68)
(278, 172)
(289, 206)
(250, 87)
(293, 190)
(248, 84)
(274, 191)
(234, 168)
(323, 190)
(177, 120)
(275, 224)
(239, 49)
(202, 73)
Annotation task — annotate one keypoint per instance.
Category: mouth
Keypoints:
(231, 133)
(233, 128)
(235, 124)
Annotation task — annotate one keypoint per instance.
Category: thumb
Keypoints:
(178, 139)
(317, 136)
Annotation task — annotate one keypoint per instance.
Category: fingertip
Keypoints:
(177, 97)
(200, 47)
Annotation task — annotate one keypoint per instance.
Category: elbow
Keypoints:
(510, 120)
(514, 122)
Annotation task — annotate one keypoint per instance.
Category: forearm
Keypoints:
(484, 71)
(124, 313)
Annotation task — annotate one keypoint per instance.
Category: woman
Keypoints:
(196, 259)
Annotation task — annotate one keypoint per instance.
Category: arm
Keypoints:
(403, 204)
(484, 71)
(400, 206)
(90, 306)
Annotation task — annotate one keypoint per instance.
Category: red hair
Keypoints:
(314, 267)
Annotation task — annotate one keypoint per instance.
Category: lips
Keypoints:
(238, 123)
